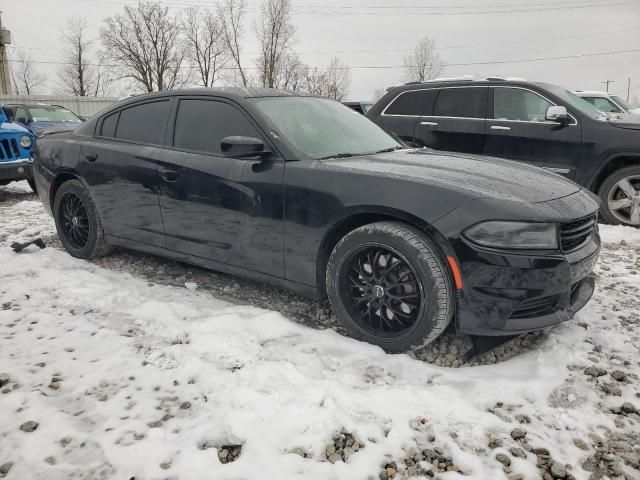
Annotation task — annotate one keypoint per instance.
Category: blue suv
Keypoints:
(38, 117)
(16, 146)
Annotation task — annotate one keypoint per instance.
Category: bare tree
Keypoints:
(145, 43)
(275, 33)
(424, 63)
(635, 101)
(338, 79)
(78, 76)
(291, 73)
(232, 14)
(26, 78)
(205, 44)
(333, 82)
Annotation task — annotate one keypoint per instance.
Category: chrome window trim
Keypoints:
(575, 121)
(384, 114)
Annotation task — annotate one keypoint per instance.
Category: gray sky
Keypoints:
(378, 33)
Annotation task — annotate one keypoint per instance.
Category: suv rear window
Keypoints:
(417, 102)
(461, 102)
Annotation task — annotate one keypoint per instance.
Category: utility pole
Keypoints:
(607, 82)
(5, 72)
(628, 88)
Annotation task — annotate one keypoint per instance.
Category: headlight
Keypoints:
(514, 235)
(26, 141)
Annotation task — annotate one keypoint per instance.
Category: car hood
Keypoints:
(628, 121)
(10, 127)
(38, 127)
(474, 175)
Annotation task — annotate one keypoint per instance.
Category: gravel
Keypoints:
(229, 453)
(342, 447)
(29, 426)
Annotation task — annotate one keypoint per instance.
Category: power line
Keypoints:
(402, 11)
(446, 47)
(380, 67)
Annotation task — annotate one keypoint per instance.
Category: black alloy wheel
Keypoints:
(74, 221)
(389, 284)
(381, 290)
(77, 221)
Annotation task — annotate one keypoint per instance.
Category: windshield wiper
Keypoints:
(340, 155)
(391, 149)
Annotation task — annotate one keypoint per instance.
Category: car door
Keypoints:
(120, 165)
(517, 130)
(457, 122)
(402, 113)
(229, 210)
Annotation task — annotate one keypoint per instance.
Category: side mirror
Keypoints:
(558, 113)
(243, 147)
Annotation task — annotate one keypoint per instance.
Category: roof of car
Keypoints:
(238, 92)
(440, 82)
(34, 105)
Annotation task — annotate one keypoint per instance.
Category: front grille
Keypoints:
(9, 149)
(576, 233)
(536, 307)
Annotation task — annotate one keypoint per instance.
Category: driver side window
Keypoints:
(21, 115)
(519, 104)
(202, 124)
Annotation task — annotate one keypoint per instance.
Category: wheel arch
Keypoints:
(57, 182)
(360, 216)
(611, 164)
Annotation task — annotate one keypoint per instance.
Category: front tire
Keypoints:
(77, 221)
(388, 285)
(620, 194)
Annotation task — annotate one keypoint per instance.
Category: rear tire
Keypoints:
(77, 221)
(388, 284)
(620, 194)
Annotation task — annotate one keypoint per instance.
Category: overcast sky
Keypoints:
(378, 33)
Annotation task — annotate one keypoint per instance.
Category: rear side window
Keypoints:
(461, 102)
(202, 124)
(144, 123)
(417, 103)
(109, 125)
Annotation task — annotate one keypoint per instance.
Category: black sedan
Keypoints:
(305, 193)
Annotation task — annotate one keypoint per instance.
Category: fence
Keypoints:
(83, 106)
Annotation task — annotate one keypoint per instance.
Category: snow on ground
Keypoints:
(128, 377)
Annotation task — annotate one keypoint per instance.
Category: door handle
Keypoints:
(499, 127)
(169, 175)
(92, 157)
(431, 124)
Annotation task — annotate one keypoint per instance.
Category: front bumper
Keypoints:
(21, 169)
(507, 293)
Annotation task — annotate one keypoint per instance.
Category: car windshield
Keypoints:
(52, 114)
(323, 128)
(576, 102)
(621, 102)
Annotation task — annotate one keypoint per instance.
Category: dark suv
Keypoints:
(536, 123)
